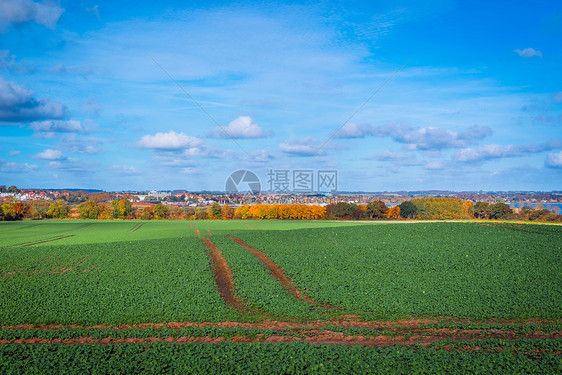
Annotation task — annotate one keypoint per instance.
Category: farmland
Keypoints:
(302, 296)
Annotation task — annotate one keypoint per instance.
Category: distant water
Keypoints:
(548, 206)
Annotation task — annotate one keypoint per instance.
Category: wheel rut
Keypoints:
(277, 273)
(223, 276)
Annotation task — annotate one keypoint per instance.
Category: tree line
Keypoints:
(418, 208)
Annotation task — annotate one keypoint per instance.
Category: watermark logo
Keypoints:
(302, 180)
(243, 181)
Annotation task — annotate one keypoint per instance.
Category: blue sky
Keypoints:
(393, 95)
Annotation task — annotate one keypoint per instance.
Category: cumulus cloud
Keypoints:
(241, 127)
(170, 141)
(554, 160)
(50, 154)
(57, 126)
(495, 151)
(528, 52)
(431, 138)
(14, 12)
(302, 147)
(19, 104)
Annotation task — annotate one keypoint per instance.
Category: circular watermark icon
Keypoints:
(243, 181)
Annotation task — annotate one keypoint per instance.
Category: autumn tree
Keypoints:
(227, 212)
(38, 209)
(89, 209)
(146, 213)
(393, 212)
(122, 208)
(58, 210)
(241, 212)
(12, 210)
(160, 211)
(201, 214)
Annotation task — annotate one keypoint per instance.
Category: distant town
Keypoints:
(551, 201)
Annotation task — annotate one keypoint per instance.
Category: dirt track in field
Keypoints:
(44, 241)
(404, 337)
(278, 273)
(223, 276)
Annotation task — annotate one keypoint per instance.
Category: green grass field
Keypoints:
(459, 277)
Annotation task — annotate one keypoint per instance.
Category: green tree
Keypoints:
(408, 210)
(499, 210)
(215, 210)
(481, 210)
(344, 209)
(376, 209)
(160, 211)
(13, 189)
(89, 209)
(58, 210)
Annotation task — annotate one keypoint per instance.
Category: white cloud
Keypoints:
(170, 141)
(18, 168)
(50, 154)
(13, 12)
(495, 151)
(528, 52)
(431, 138)
(554, 160)
(57, 126)
(241, 127)
(351, 130)
(302, 147)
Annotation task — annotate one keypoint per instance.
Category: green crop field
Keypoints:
(148, 296)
